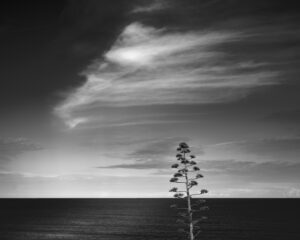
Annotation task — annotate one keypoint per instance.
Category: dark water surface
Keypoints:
(145, 219)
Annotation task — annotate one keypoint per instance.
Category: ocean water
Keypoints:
(145, 219)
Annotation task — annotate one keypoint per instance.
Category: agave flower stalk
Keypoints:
(188, 175)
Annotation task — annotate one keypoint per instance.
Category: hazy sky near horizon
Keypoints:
(96, 95)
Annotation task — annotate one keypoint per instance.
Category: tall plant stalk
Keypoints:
(188, 175)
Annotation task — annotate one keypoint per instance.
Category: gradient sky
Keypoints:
(96, 95)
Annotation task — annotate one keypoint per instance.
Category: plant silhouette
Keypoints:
(188, 174)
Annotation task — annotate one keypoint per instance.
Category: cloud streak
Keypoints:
(283, 149)
(150, 66)
(269, 171)
(15, 146)
(156, 5)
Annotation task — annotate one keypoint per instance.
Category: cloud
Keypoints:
(154, 154)
(268, 171)
(271, 146)
(285, 149)
(157, 156)
(155, 5)
(243, 171)
(160, 147)
(288, 116)
(152, 66)
(140, 165)
(216, 166)
(12, 147)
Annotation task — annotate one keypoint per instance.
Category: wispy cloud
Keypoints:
(283, 149)
(14, 146)
(285, 116)
(152, 154)
(147, 66)
(157, 148)
(269, 171)
(155, 5)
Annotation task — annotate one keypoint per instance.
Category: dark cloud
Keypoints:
(278, 147)
(13, 147)
(207, 165)
(288, 116)
(151, 164)
(155, 154)
(242, 171)
(211, 165)
(270, 171)
(265, 170)
(286, 149)
(145, 7)
(274, 171)
(157, 148)
(245, 172)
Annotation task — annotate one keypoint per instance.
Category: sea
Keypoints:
(146, 219)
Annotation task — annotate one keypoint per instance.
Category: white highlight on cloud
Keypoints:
(147, 66)
(140, 45)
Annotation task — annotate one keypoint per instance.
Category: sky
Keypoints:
(95, 96)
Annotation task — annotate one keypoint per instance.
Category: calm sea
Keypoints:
(145, 219)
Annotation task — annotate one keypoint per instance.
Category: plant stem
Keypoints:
(189, 201)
